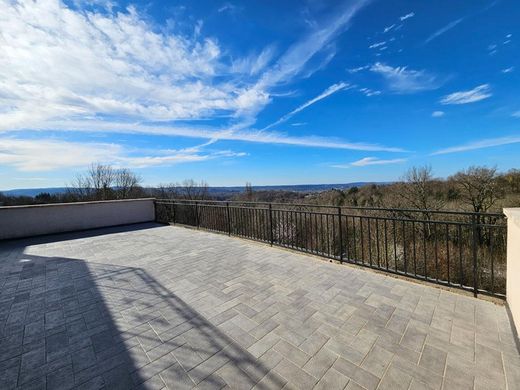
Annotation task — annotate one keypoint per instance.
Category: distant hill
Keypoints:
(212, 190)
(34, 191)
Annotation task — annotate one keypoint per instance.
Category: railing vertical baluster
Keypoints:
(376, 220)
(228, 219)
(311, 231)
(459, 240)
(474, 253)
(491, 252)
(271, 235)
(448, 252)
(327, 233)
(436, 252)
(340, 233)
(395, 245)
(354, 247)
(369, 242)
(414, 250)
(405, 258)
(362, 240)
(386, 245)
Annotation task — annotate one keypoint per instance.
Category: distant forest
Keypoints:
(479, 189)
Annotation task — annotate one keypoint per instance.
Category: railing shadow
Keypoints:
(69, 322)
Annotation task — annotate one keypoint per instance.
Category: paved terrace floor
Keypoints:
(167, 307)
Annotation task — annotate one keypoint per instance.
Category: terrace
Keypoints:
(148, 305)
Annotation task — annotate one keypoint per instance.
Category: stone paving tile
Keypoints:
(161, 307)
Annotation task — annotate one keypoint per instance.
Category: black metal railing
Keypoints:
(458, 249)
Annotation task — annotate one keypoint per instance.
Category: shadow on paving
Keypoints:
(67, 323)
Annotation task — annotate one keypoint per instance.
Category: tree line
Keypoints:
(478, 189)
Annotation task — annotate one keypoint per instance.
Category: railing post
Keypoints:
(271, 240)
(228, 219)
(173, 212)
(340, 232)
(474, 254)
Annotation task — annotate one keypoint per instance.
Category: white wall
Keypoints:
(513, 263)
(26, 221)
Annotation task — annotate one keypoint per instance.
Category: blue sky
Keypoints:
(270, 92)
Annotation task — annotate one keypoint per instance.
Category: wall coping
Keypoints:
(513, 213)
(74, 203)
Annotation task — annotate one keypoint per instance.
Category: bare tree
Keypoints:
(418, 190)
(127, 183)
(167, 191)
(102, 179)
(478, 187)
(103, 182)
(190, 189)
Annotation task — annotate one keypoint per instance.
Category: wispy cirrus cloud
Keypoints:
(254, 63)
(476, 94)
(247, 135)
(508, 70)
(377, 44)
(443, 30)
(358, 69)
(404, 80)
(407, 16)
(369, 92)
(41, 154)
(482, 144)
(329, 91)
(227, 7)
(438, 114)
(294, 60)
(370, 161)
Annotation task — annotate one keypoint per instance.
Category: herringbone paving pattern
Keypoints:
(167, 307)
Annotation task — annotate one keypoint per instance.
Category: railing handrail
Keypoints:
(365, 208)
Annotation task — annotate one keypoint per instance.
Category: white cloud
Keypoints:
(298, 124)
(508, 70)
(516, 114)
(358, 69)
(248, 135)
(255, 63)
(66, 69)
(61, 63)
(298, 55)
(443, 30)
(227, 7)
(388, 28)
(407, 16)
(45, 155)
(370, 161)
(329, 91)
(377, 44)
(404, 80)
(485, 143)
(369, 92)
(464, 97)
(35, 155)
(438, 114)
